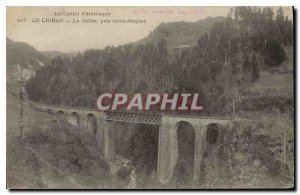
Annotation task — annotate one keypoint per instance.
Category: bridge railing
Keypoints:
(62, 107)
(154, 119)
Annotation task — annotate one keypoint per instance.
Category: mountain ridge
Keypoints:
(181, 32)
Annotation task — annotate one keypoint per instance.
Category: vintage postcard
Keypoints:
(150, 98)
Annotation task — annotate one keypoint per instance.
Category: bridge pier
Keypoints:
(82, 122)
(109, 140)
(200, 147)
(167, 150)
(100, 133)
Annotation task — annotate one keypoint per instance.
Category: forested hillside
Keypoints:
(230, 57)
(181, 33)
(24, 54)
(24, 59)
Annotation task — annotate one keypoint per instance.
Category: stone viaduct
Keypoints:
(100, 124)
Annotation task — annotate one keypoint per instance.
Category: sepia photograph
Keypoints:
(150, 97)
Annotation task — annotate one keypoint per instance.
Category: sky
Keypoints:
(72, 37)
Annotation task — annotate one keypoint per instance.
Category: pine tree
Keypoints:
(254, 69)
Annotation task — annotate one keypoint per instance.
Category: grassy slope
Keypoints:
(54, 155)
(22, 165)
(276, 84)
(274, 88)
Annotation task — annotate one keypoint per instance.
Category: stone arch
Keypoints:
(215, 157)
(74, 119)
(91, 123)
(184, 168)
(60, 115)
(214, 133)
(49, 111)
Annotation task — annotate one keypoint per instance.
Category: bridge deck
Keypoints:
(139, 116)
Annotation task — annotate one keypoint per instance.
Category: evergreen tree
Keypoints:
(254, 69)
(274, 54)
